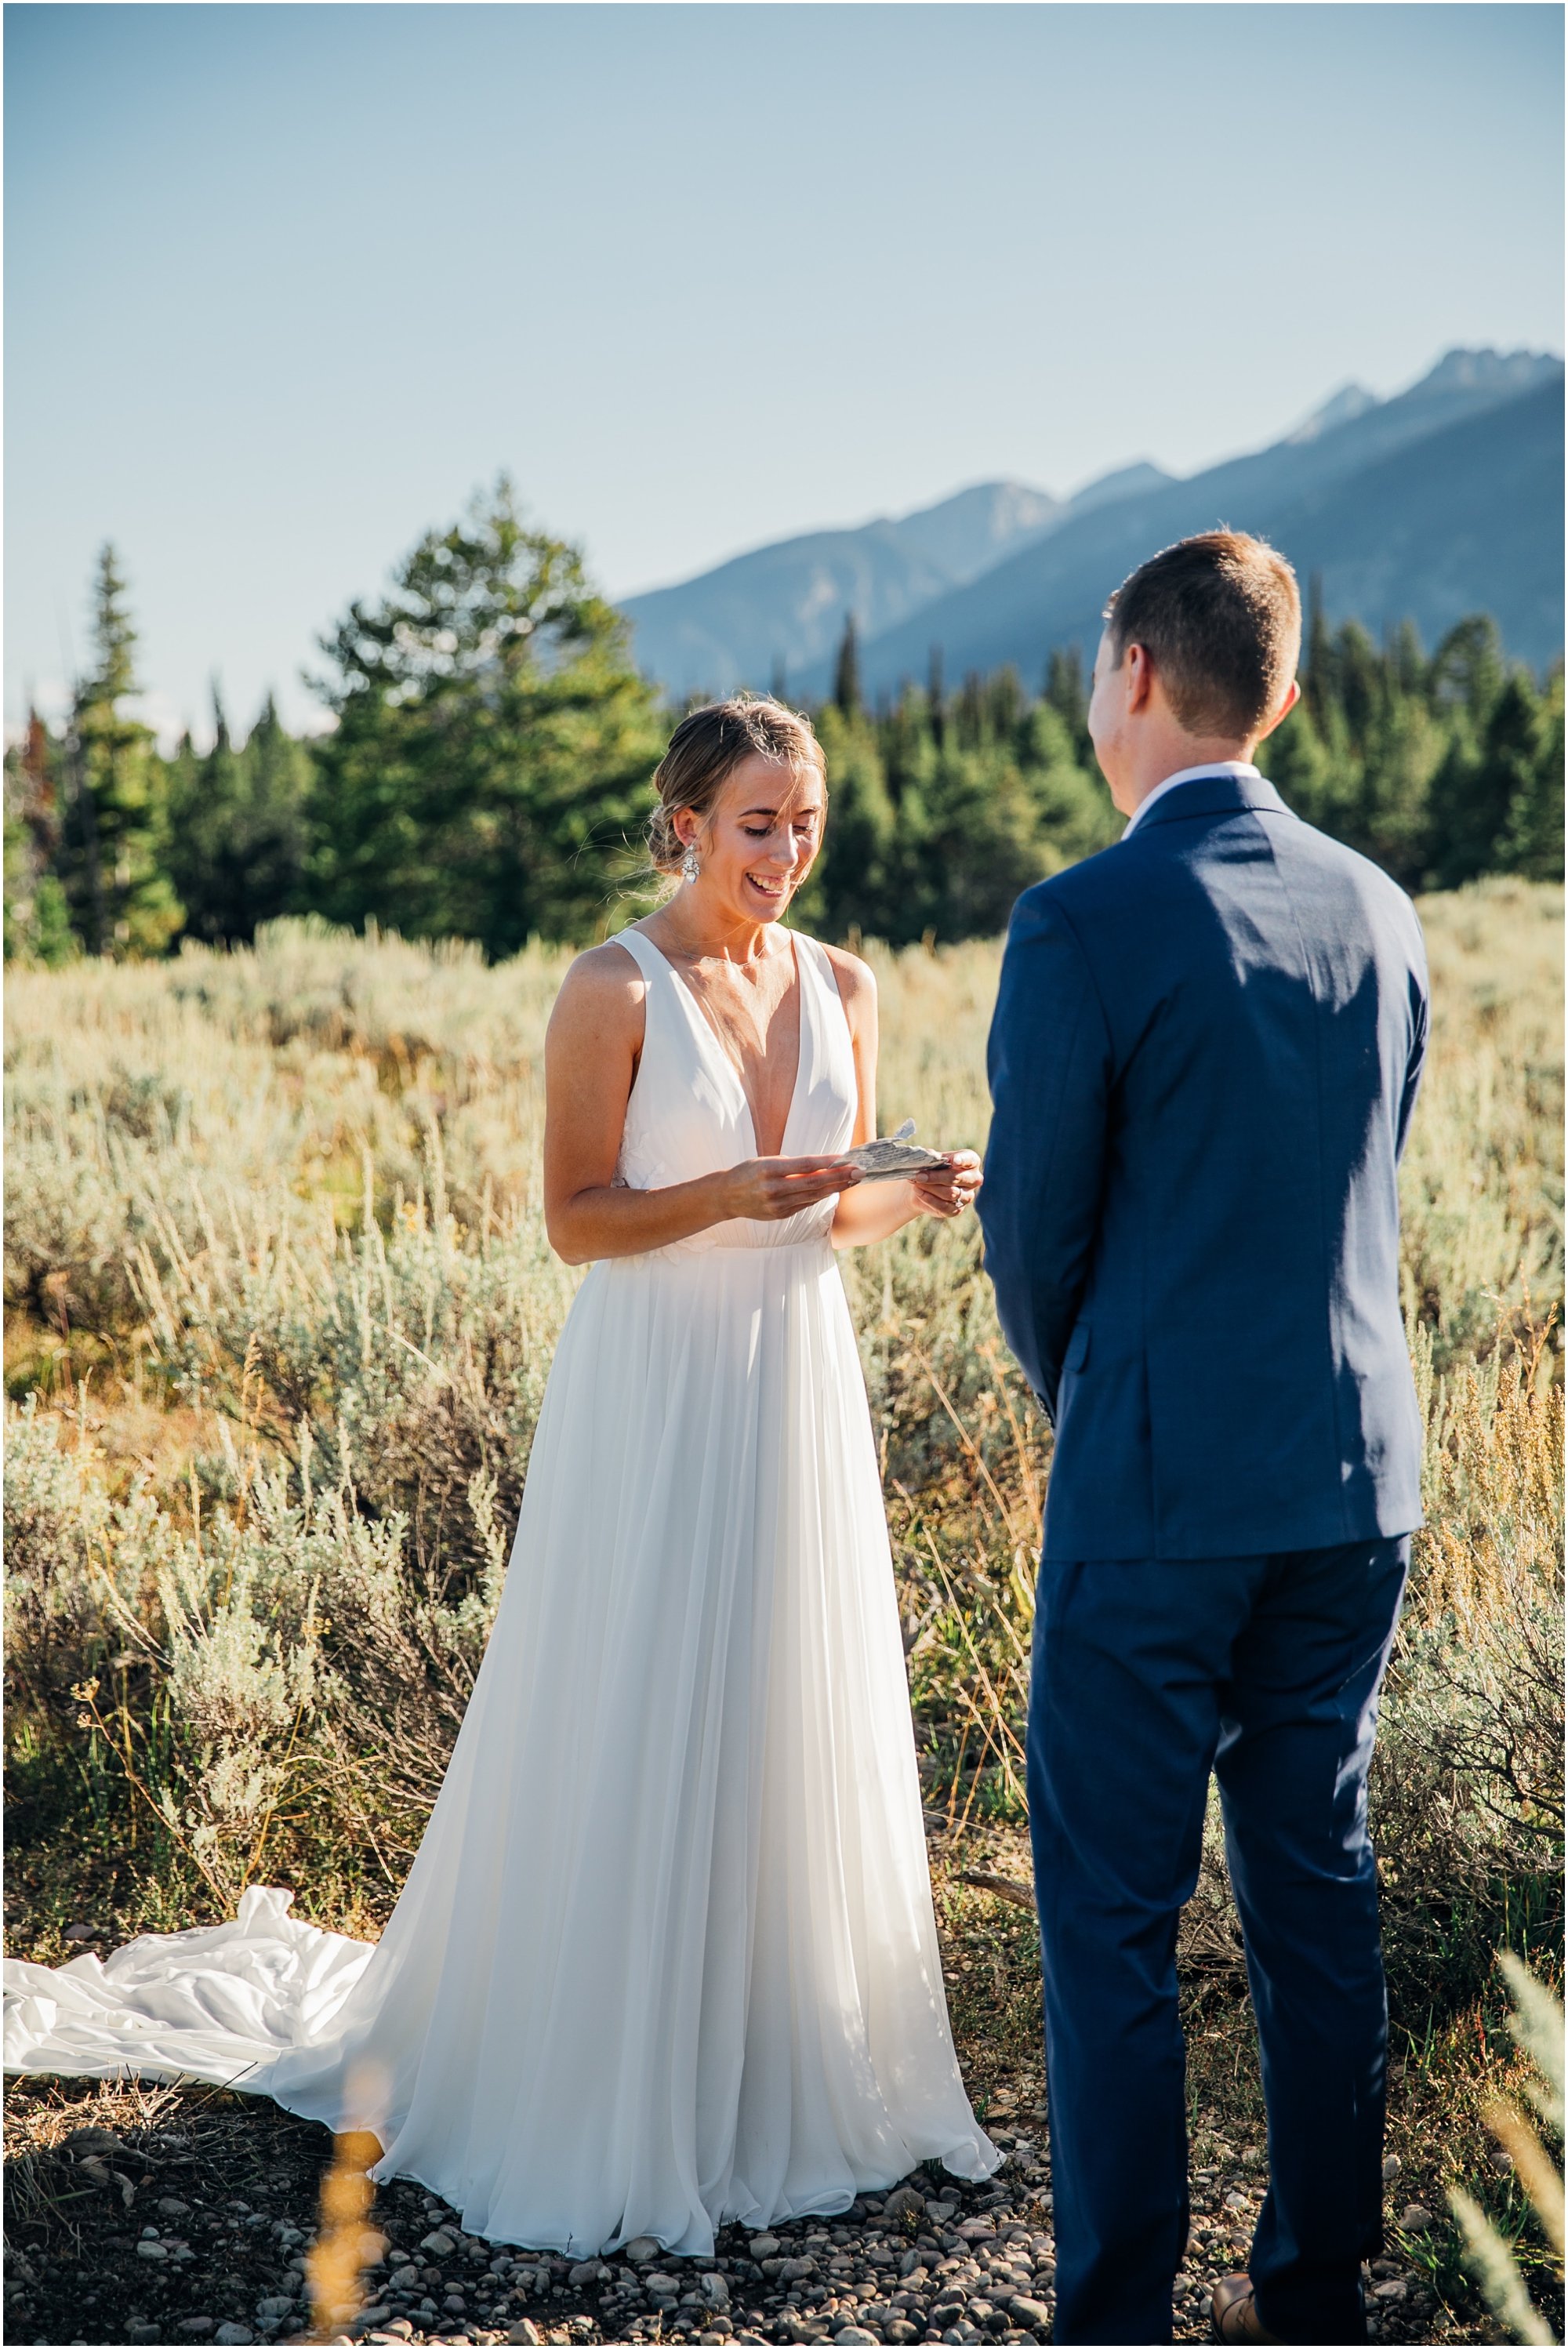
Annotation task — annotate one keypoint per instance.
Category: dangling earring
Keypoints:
(690, 868)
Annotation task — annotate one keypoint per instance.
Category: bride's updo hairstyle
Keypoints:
(704, 751)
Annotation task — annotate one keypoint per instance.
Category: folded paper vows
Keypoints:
(881, 1162)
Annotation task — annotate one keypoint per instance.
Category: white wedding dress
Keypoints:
(666, 1955)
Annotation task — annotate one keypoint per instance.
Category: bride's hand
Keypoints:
(948, 1190)
(766, 1190)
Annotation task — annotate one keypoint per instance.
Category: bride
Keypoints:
(666, 1955)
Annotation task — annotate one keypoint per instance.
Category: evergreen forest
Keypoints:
(487, 775)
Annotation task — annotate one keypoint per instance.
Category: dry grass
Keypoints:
(280, 1313)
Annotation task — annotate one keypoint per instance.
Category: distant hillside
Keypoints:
(1470, 520)
(784, 606)
(1445, 500)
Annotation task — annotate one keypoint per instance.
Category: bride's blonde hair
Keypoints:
(705, 749)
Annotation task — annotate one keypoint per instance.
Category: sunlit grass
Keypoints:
(281, 1311)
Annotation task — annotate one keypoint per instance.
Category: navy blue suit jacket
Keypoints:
(1204, 1059)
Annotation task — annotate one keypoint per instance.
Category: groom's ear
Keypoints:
(1140, 675)
(1292, 697)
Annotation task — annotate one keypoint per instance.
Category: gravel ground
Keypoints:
(170, 2216)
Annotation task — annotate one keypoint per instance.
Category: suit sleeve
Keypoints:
(1049, 1064)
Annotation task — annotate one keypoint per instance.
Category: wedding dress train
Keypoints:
(666, 1955)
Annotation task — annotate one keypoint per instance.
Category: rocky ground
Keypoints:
(159, 2215)
(171, 2216)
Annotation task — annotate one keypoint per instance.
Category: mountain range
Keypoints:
(1443, 500)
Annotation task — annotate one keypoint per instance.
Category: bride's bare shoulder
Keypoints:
(602, 989)
(611, 964)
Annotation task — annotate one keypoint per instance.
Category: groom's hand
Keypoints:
(948, 1189)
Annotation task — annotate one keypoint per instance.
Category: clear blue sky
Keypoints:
(285, 284)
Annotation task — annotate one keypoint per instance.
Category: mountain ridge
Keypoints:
(783, 605)
(1001, 571)
(1054, 593)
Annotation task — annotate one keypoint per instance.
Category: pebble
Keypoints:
(852, 2276)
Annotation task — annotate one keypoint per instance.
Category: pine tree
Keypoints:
(1493, 745)
(1069, 697)
(855, 882)
(969, 712)
(36, 918)
(1406, 660)
(1317, 663)
(935, 698)
(1532, 842)
(1005, 702)
(114, 829)
(489, 774)
(847, 671)
(237, 842)
(1438, 771)
(1468, 670)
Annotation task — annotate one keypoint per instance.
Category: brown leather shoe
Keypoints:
(1236, 2312)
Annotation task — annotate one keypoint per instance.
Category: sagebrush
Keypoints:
(281, 1314)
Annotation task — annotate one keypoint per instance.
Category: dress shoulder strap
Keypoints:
(643, 951)
(815, 959)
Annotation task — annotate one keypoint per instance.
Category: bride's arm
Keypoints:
(880, 1209)
(590, 1051)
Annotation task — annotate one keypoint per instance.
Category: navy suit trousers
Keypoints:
(1147, 1676)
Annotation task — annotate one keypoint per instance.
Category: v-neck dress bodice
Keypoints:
(666, 1957)
(688, 1113)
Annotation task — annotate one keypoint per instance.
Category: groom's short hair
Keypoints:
(1220, 617)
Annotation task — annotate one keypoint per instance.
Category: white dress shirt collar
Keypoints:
(1242, 769)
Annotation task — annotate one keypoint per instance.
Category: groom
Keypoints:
(1203, 1059)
